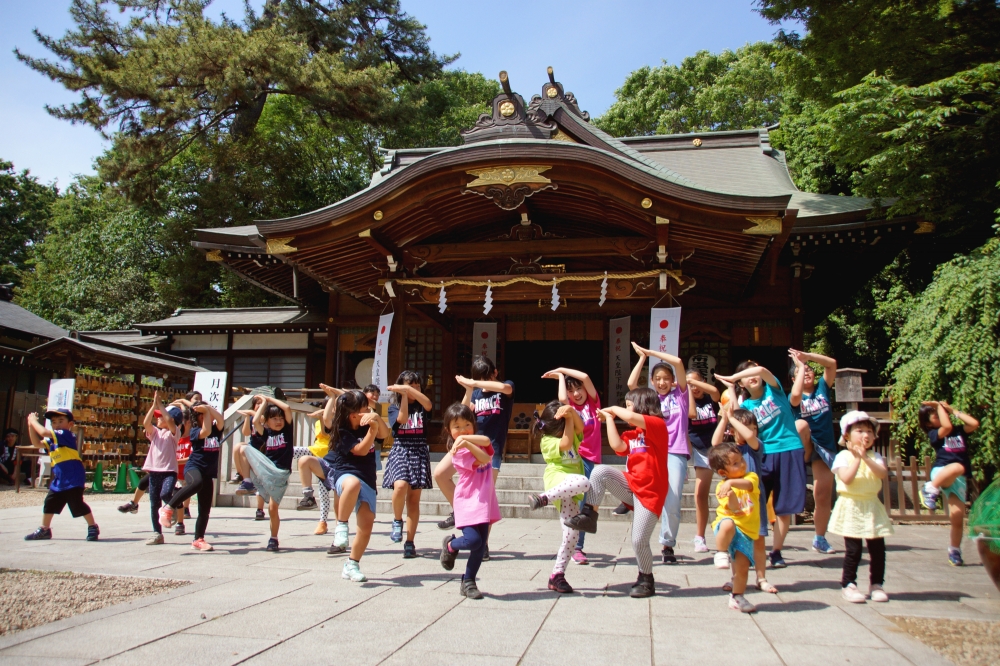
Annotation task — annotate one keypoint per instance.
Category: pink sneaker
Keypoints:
(579, 557)
(166, 516)
(201, 544)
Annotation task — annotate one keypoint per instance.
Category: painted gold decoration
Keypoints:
(696, 142)
(764, 226)
(925, 228)
(280, 245)
(378, 215)
(562, 136)
(646, 203)
(508, 175)
(214, 255)
(551, 92)
(507, 109)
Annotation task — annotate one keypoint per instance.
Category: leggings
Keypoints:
(195, 482)
(571, 485)
(144, 484)
(324, 494)
(852, 558)
(677, 469)
(161, 489)
(473, 539)
(588, 469)
(644, 522)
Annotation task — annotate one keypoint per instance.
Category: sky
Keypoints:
(591, 44)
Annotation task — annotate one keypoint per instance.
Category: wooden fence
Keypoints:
(901, 490)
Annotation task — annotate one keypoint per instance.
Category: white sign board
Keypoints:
(60, 396)
(381, 361)
(212, 386)
(619, 344)
(847, 388)
(484, 340)
(664, 333)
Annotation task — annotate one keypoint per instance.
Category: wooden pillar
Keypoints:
(332, 341)
(449, 362)
(70, 366)
(228, 390)
(397, 339)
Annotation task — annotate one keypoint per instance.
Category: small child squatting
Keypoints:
(737, 519)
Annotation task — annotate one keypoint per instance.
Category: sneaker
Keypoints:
(306, 503)
(486, 553)
(878, 594)
(93, 532)
(272, 545)
(776, 560)
(558, 583)
(246, 488)
(339, 539)
(167, 517)
(397, 531)
(852, 594)
(39, 534)
(644, 587)
(929, 496)
(129, 507)
(721, 560)
(409, 550)
(469, 589)
(448, 523)
(320, 527)
(955, 557)
(668, 555)
(352, 572)
(259, 515)
(585, 521)
(740, 603)
(579, 557)
(537, 501)
(201, 544)
(447, 555)
(179, 529)
(699, 545)
(156, 540)
(622, 509)
(821, 545)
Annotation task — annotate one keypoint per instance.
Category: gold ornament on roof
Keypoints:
(508, 175)
(764, 226)
(507, 109)
(214, 255)
(280, 245)
(551, 92)
(377, 215)
(646, 203)
(696, 142)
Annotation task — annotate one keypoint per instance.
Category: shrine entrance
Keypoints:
(527, 360)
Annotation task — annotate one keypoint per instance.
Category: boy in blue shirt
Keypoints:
(68, 476)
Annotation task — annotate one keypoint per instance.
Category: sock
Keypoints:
(307, 492)
(450, 549)
(952, 549)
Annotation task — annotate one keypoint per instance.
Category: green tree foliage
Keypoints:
(949, 349)
(24, 214)
(730, 90)
(97, 266)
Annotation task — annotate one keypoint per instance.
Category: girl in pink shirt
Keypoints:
(475, 504)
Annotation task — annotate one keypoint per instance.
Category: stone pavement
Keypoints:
(253, 607)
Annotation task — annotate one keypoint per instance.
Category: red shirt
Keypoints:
(646, 467)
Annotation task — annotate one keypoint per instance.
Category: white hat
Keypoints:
(850, 418)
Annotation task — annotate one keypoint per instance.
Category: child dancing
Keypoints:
(565, 484)
(475, 499)
(161, 460)
(951, 467)
(644, 483)
(703, 416)
(858, 513)
(737, 517)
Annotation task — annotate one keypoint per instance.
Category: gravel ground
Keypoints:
(31, 497)
(33, 598)
(965, 642)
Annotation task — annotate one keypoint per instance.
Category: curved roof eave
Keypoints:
(659, 180)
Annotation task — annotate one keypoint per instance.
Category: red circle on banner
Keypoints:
(663, 323)
(383, 329)
(485, 335)
(618, 330)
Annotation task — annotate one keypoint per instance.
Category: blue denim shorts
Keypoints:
(700, 457)
(367, 494)
(958, 487)
(826, 455)
(741, 543)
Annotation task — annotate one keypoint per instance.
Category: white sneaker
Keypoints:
(699, 545)
(852, 594)
(722, 560)
(352, 572)
(878, 594)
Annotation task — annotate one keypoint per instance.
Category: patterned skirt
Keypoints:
(411, 464)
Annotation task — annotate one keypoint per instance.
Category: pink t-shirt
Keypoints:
(675, 412)
(590, 448)
(475, 498)
(162, 456)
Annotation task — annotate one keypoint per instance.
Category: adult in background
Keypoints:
(8, 456)
(810, 400)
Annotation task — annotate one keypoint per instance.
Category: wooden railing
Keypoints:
(901, 490)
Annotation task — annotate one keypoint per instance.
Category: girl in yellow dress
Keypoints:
(858, 513)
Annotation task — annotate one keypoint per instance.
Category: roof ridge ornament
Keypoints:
(510, 118)
(553, 93)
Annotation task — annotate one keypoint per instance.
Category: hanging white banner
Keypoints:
(212, 386)
(381, 362)
(61, 392)
(619, 344)
(664, 333)
(484, 340)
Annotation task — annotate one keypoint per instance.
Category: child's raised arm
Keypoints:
(720, 429)
(633, 379)
(415, 394)
(680, 376)
(614, 438)
(627, 415)
(710, 389)
(942, 412)
(847, 474)
(579, 375)
(365, 444)
(574, 424)
(476, 445)
(37, 432)
(561, 395)
(147, 422)
(877, 468)
(970, 423)
(282, 405)
(752, 371)
(746, 433)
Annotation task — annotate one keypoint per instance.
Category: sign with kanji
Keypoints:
(60, 396)
(484, 340)
(212, 386)
(619, 344)
(705, 364)
(381, 363)
(664, 333)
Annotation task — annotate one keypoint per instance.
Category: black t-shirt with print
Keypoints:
(702, 426)
(951, 449)
(205, 451)
(414, 431)
(493, 412)
(279, 446)
(344, 461)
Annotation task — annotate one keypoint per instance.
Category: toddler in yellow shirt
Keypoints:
(737, 521)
